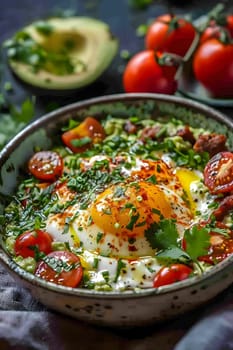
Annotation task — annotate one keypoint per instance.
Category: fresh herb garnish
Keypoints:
(81, 142)
(120, 265)
(164, 237)
(13, 119)
(99, 237)
(197, 241)
(59, 265)
(133, 220)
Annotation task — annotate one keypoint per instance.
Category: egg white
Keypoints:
(106, 248)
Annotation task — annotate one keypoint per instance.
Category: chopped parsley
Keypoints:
(120, 265)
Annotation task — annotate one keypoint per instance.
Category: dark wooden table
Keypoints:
(48, 329)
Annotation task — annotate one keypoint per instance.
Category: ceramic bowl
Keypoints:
(114, 308)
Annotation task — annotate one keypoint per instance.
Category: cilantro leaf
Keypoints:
(197, 241)
(162, 235)
(13, 119)
(173, 254)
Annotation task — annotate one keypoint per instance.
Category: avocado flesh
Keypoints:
(91, 49)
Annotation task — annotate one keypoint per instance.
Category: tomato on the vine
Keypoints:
(143, 73)
(61, 267)
(213, 67)
(214, 29)
(169, 33)
(84, 135)
(218, 173)
(46, 165)
(31, 243)
(171, 274)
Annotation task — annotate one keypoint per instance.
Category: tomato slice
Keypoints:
(61, 267)
(171, 274)
(218, 173)
(30, 243)
(221, 245)
(46, 165)
(84, 135)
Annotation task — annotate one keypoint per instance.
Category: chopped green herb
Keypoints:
(44, 27)
(99, 237)
(105, 275)
(120, 265)
(152, 179)
(133, 220)
(81, 142)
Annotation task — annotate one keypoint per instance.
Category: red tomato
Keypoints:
(31, 242)
(46, 165)
(84, 135)
(170, 34)
(144, 74)
(221, 245)
(61, 267)
(213, 67)
(218, 173)
(214, 29)
(172, 274)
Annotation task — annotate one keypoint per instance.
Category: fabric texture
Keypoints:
(25, 324)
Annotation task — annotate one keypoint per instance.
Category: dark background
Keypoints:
(60, 332)
(123, 20)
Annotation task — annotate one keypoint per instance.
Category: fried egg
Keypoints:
(113, 225)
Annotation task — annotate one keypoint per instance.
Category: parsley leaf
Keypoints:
(197, 241)
(13, 119)
(162, 235)
(173, 253)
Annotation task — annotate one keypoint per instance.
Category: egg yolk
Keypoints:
(186, 177)
(128, 210)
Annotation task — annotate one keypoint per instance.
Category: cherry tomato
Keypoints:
(144, 74)
(46, 165)
(214, 29)
(213, 67)
(84, 135)
(30, 243)
(172, 274)
(218, 173)
(170, 34)
(221, 246)
(61, 267)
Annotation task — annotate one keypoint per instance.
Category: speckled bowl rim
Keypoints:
(6, 260)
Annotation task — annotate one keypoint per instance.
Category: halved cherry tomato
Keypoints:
(84, 135)
(30, 243)
(218, 173)
(213, 67)
(61, 267)
(221, 245)
(169, 33)
(46, 165)
(144, 74)
(214, 29)
(172, 274)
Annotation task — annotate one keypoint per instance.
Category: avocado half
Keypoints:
(87, 43)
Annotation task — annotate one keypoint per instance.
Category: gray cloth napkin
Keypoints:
(25, 324)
